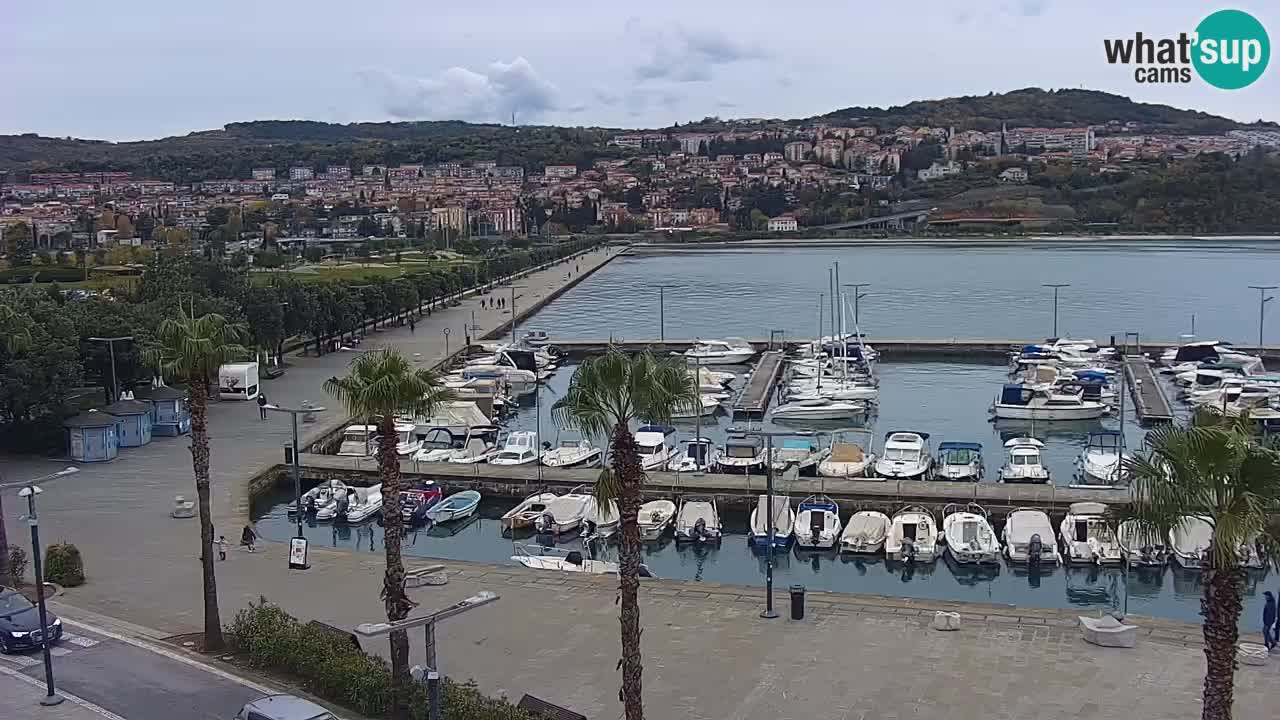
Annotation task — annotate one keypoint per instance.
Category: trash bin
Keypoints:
(797, 602)
(288, 453)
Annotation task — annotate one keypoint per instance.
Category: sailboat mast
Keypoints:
(820, 301)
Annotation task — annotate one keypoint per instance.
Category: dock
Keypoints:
(756, 394)
(1148, 395)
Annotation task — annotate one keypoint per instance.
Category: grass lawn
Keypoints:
(349, 271)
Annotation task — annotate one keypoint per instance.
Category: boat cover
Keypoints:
(1014, 395)
(846, 452)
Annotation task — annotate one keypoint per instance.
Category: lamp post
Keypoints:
(769, 613)
(514, 316)
(431, 673)
(306, 409)
(29, 491)
(1056, 287)
(446, 332)
(1263, 299)
(111, 348)
(857, 295)
(662, 311)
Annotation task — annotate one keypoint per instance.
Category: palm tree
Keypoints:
(192, 349)
(1217, 470)
(15, 337)
(606, 394)
(380, 385)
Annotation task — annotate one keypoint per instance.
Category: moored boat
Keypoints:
(959, 461)
(572, 453)
(527, 511)
(906, 456)
(655, 517)
(1087, 537)
(913, 536)
(817, 523)
(698, 520)
(865, 532)
(1024, 464)
(458, 506)
(968, 534)
(783, 524)
(1029, 538)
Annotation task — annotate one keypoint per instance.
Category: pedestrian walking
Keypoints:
(222, 547)
(262, 405)
(248, 537)
(1269, 628)
(412, 326)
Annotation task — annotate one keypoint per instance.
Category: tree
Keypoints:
(192, 349)
(14, 338)
(607, 393)
(19, 245)
(380, 385)
(1216, 470)
(265, 316)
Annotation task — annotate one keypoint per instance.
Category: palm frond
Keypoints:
(614, 388)
(384, 383)
(607, 488)
(190, 348)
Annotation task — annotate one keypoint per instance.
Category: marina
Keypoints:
(755, 397)
(1149, 397)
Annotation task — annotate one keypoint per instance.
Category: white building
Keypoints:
(1014, 175)
(783, 223)
(937, 171)
(560, 171)
(264, 173)
(301, 173)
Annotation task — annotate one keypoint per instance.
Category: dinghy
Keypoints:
(968, 535)
(913, 536)
(530, 509)
(458, 506)
(698, 520)
(865, 533)
(564, 513)
(655, 517)
(1189, 541)
(1086, 536)
(1028, 538)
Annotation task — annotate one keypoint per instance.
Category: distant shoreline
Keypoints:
(991, 240)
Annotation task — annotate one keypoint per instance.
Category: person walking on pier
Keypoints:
(247, 538)
(1269, 628)
(222, 547)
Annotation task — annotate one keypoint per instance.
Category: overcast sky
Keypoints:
(133, 69)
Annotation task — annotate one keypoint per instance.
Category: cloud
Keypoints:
(458, 93)
(685, 55)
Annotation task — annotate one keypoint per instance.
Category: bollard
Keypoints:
(797, 602)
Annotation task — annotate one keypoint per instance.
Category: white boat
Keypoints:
(1086, 536)
(731, 351)
(913, 536)
(521, 448)
(356, 506)
(706, 404)
(564, 513)
(599, 519)
(802, 453)
(968, 534)
(323, 496)
(545, 558)
(527, 511)
(1019, 401)
(699, 456)
(960, 461)
(817, 523)
(1189, 541)
(656, 446)
(784, 521)
(836, 389)
(1192, 352)
(572, 453)
(480, 445)
(709, 381)
(518, 369)
(438, 444)
(906, 456)
(741, 455)
(1028, 538)
(848, 458)
(458, 506)
(1100, 463)
(697, 520)
(536, 338)
(655, 517)
(820, 409)
(1142, 549)
(865, 533)
(1024, 464)
(359, 441)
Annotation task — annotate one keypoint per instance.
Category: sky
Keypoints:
(138, 69)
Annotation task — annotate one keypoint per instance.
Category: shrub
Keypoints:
(43, 273)
(62, 565)
(329, 666)
(17, 565)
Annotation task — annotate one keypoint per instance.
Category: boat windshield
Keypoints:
(901, 454)
(741, 451)
(958, 457)
(1026, 459)
(510, 455)
(649, 449)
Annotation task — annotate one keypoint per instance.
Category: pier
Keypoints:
(755, 396)
(1148, 395)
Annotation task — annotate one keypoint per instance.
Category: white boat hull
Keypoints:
(1088, 411)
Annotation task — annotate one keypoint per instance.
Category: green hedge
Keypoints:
(45, 274)
(17, 566)
(329, 666)
(62, 565)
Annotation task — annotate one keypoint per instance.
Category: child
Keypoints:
(222, 547)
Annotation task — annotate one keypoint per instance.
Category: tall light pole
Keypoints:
(857, 295)
(662, 309)
(769, 613)
(306, 409)
(1263, 299)
(111, 348)
(514, 317)
(29, 491)
(1056, 287)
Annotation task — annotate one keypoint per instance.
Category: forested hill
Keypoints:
(1033, 107)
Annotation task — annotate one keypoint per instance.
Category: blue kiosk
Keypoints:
(171, 414)
(94, 436)
(133, 421)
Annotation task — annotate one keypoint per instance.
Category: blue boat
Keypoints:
(783, 525)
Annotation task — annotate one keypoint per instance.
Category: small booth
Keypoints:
(134, 421)
(94, 436)
(171, 416)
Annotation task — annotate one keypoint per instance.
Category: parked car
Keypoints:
(20, 623)
(283, 707)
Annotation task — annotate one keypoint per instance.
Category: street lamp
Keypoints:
(111, 348)
(1263, 299)
(514, 317)
(297, 547)
(431, 672)
(857, 295)
(29, 491)
(1056, 287)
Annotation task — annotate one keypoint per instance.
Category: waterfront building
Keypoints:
(92, 437)
(133, 421)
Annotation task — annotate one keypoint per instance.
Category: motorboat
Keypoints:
(968, 534)
(731, 351)
(783, 525)
(1193, 352)
(820, 409)
(742, 455)
(563, 513)
(450, 422)
(802, 453)
(438, 444)
(599, 519)
(572, 453)
(417, 500)
(1142, 549)
(359, 441)
(865, 532)
(322, 496)
(1028, 538)
(848, 458)
(706, 404)
(480, 445)
(1086, 536)
(817, 523)
(906, 456)
(536, 338)
(655, 517)
(518, 369)
(698, 520)
(521, 448)
(1189, 542)
(357, 505)
(656, 446)
(458, 506)
(836, 389)
(1019, 401)
(960, 461)
(550, 558)
(1100, 464)
(699, 456)
(913, 536)
(1233, 392)
(1024, 464)
(527, 511)
(710, 381)
(407, 441)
